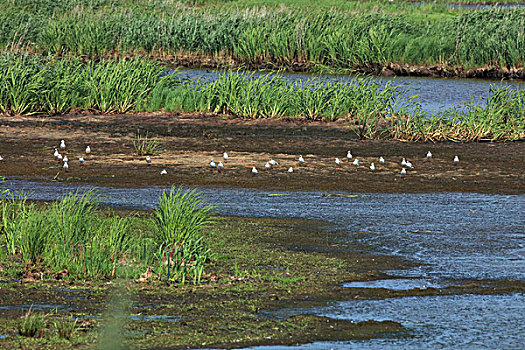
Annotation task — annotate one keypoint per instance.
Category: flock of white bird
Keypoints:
(269, 164)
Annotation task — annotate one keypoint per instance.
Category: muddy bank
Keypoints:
(199, 61)
(191, 141)
(259, 265)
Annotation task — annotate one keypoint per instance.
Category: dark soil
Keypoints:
(191, 141)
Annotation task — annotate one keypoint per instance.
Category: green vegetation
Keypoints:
(144, 145)
(32, 325)
(36, 85)
(302, 35)
(71, 238)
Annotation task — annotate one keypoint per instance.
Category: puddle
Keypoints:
(394, 284)
(37, 307)
(163, 318)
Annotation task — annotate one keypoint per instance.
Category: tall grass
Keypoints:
(30, 84)
(277, 37)
(73, 239)
(180, 218)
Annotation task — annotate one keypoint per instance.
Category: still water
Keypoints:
(433, 94)
(455, 236)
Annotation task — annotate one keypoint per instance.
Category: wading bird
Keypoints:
(403, 171)
(62, 144)
(349, 155)
(355, 162)
(225, 156)
(290, 170)
(81, 160)
(148, 160)
(301, 159)
(267, 166)
(220, 166)
(372, 167)
(212, 164)
(381, 160)
(254, 171)
(88, 149)
(164, 172)
(273, 162)
(337, 162)
(403, 162)
(456, 160)
(429, 155)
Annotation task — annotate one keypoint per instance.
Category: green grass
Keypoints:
(335, 33)
(144, 145)
(72, 238)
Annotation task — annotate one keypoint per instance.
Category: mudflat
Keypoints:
(190, 142)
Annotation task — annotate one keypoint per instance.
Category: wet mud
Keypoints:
(191, 141)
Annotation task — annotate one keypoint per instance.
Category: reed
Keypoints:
(71, 238)
(353, 36)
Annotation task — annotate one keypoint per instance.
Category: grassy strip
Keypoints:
(73, 239)
(33, 85)
(272, 36)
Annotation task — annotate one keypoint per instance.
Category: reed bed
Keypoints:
(73, 239)
(34, 85)
(269, 37)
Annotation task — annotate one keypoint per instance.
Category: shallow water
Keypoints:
(453, 236)
(452, 322)
(434, 94)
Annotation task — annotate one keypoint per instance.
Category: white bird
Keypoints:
(164, 172)
(254, 171)
(225, 156)
(381, 160)
(65, 160)
(59, 157)
(267, 166)
(290, 170)
(56, 153)
(65, 166)
(355, 162)
(88, 150)
(429, 155)
(148, 159)
(403, 162)
(62, 144)
(1, 158)
(337, 162)
(212, 164)
(403, 171)
(301, 159)
(273, 162)
(220, 166)
(456, 160)
(81, 159)
(409, 165)
(349, 154)
(372, 167)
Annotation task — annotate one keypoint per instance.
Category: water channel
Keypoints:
(455, 237)
(433, 94)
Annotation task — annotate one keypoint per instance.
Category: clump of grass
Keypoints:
(32, 325)
(144, 145)
(180, 218)
(66, 329)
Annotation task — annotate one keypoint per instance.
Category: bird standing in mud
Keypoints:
(88, 149)
(372, 167)
(456, 160)
(267, 166)
(403, 162)
(273, 162)
(81, 160)
(355, 162)
(225, 156)
(290, 170)
(381, 160)
(337, 162)
(220, 167)
(403, 171)
(148, 160)
(429, 155)
(212, 164)
(164, 172)
(301, 160)
(349, 155)
(62, 144)
(254, 171)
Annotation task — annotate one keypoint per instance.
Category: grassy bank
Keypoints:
(362, 36)
(31, 84)
(73, 239)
